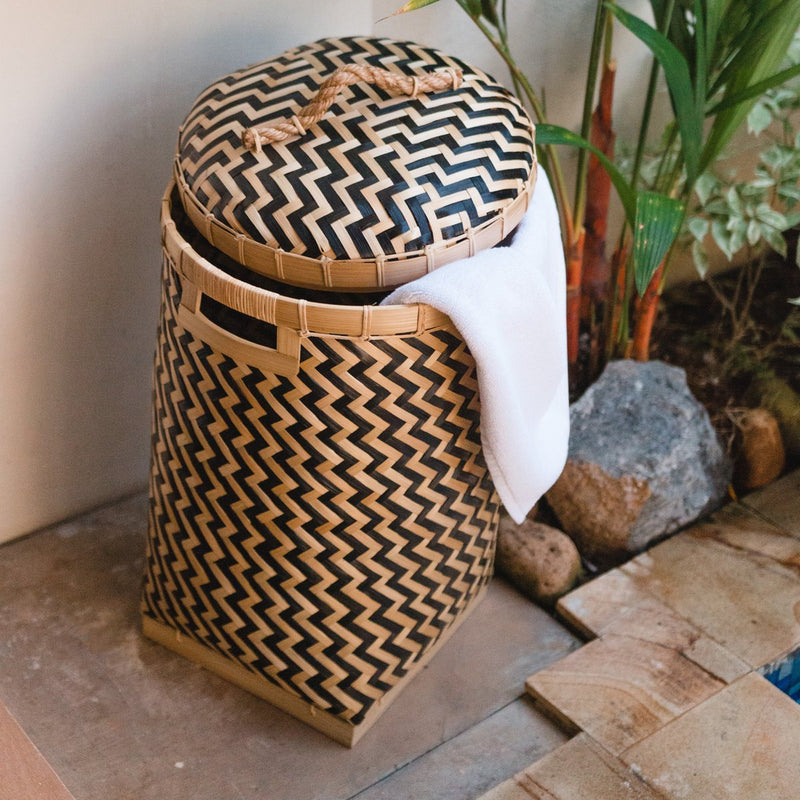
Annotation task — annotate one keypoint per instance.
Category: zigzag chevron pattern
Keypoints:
(324, 530)
(377, 175)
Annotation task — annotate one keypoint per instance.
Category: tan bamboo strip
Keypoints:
(307, 318)
(386, 272)
(256, 137)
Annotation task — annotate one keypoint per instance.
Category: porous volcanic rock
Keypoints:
(643, 461)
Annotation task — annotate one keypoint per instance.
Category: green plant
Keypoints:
(718, 57)
(747, 216)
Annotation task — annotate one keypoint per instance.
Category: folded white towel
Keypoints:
(509, 305)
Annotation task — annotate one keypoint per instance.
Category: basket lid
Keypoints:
(355, 163)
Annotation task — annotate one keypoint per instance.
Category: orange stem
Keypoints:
(574, 273)
(596, 268)
(646, 307)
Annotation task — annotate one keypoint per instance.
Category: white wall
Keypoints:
(93, 94)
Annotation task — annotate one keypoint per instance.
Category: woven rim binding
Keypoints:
(304, 317)
(356, 274)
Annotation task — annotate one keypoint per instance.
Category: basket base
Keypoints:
(339, 730)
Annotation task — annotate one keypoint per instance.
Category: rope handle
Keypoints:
(256, 137)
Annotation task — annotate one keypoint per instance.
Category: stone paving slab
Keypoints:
(711, 604)
(779, 502)
(620, 690)
(741, 744)
(465, 766)
(578, 770)
(742, 599)
(615, 603)
(118, 716)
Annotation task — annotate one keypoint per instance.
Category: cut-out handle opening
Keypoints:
(267, 347)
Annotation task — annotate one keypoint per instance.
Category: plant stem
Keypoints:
(645, 315)
(519, 78)
(586, 121)
(644, 125)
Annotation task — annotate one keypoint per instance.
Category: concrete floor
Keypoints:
(119, 717)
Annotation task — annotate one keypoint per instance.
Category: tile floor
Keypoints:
(119, 717)
(668, 697)
(666, 701)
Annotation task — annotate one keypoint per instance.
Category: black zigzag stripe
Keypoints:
(323, 530)
(377, 175)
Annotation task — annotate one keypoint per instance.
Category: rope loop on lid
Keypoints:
(456, 76)
(255, 137)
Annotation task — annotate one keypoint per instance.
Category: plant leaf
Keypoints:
(555, 134)
(658, 220)
(688, 114)
(756, 56)
(698, 227)
(472, 7)
(769, 216)
(775, 240)
(759, 118)
(705, 185)
(722, 237)
(753, 232)
(411, 5)
(700, 259)
(755, 90)
(489, 9)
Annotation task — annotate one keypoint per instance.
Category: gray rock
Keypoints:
(643, 461)
(540, 561)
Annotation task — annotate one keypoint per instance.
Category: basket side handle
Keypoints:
(283, 359)
(256, 137)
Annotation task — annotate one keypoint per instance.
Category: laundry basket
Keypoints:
(322, 518)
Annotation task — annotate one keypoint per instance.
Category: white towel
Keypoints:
(509, 304)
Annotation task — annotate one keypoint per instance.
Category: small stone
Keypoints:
(541, 562)
(761, 457)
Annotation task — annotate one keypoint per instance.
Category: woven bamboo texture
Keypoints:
(322, 529)
(364, 187)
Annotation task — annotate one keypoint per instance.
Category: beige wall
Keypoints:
(93, 94)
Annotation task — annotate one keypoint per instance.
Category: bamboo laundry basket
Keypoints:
(321, 516)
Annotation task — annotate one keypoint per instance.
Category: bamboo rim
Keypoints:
(307, 318)
(381, 272)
